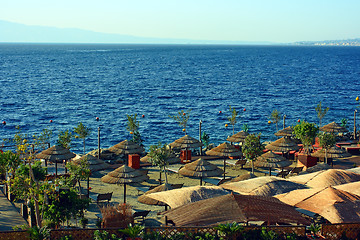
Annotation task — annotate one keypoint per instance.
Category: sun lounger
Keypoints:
(140, 214)
(237, 162)
(144, 189)
(296, 170)
(283, 173)
(102, 197)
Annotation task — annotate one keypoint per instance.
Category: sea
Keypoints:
(56, 86)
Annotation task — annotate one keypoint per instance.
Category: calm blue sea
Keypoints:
(69, 84)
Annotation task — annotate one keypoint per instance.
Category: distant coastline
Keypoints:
(347, 42)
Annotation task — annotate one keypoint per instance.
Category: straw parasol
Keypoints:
(286, 132)
(234, 208)
(178, 197)
(124, 175)
(55, 154)
(333, 152)
(326, 178)
(238, 137)
(242, 177)
(333, 128)
(226, 150)
(263, 186)
(126, 147)
(271, 160)
(335, 205)
(200, 168)
(186, 142)
(283, 145)
(353, 187)
(95, 164)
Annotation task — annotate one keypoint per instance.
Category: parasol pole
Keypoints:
(355, 111)
(99, 142)
(224, 166)
(200, 181)
(284, 121)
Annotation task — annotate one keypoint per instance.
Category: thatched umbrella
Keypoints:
(226, 150)
(127, 147)
(94, 164)
(263, 186)
(242, 177)
(326, 178)
(335, 205)
(333, 152)
(178, 197)
(55, 154)
(238, 137)
(271, 160)
(333, 128)
(353, 187)
(186, 142)
(286, 132)
(124, 175)
(283, 145)
(200, 168)
(234, 208)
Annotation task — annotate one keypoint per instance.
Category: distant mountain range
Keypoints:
(15, 32)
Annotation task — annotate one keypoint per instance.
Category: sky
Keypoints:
(279, 21)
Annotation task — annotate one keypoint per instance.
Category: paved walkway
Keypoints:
(9, 215)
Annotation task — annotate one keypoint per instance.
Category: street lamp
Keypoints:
(200, 122)
(355, 111)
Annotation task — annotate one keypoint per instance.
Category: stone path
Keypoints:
(9, 215)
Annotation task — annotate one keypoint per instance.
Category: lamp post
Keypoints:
(200, 122)
(284, 121)
(355, 111)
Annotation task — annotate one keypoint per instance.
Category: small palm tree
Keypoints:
(82, 132)
(321, 112)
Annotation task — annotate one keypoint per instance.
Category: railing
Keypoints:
(328, 231)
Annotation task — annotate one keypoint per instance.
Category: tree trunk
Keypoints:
(166, 180)
(252, 166)
(84, 145)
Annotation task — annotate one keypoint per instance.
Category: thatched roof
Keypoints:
(124, 174)
(326, 202)
(150, 201)
(94, 163)
(318, 167)
(282, 145)
(56, 153)
(186, 142)
(353, 187)
(242, 177)
(333, 127)
(238, 137)
(326, 178)
(200, 168)
(225, 149)
(126, 147)
(333, 152)
(271, 160)
(234, 208)
(178, 197)
(286, 132)
(263, 186)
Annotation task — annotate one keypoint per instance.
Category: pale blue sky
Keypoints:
(238, 20)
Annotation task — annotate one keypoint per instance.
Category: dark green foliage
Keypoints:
(104, 235)
(321, 112)
(36, 233)
(229, 230)
(252, 148)
(67, 237)
(64, 139)
(306, 132)
(38, 171)
(133, 231)
(275, 118)
(344, 122)
(82, 132)
(205, 139)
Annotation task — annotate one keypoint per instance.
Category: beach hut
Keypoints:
(200, 168)
(124, 175)
(263, 186)
(326, 178)
(335, 205)
(224, 150)
(55, 154)
(178, 197)
(234, 208)
(271, 160)
(186, 142)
